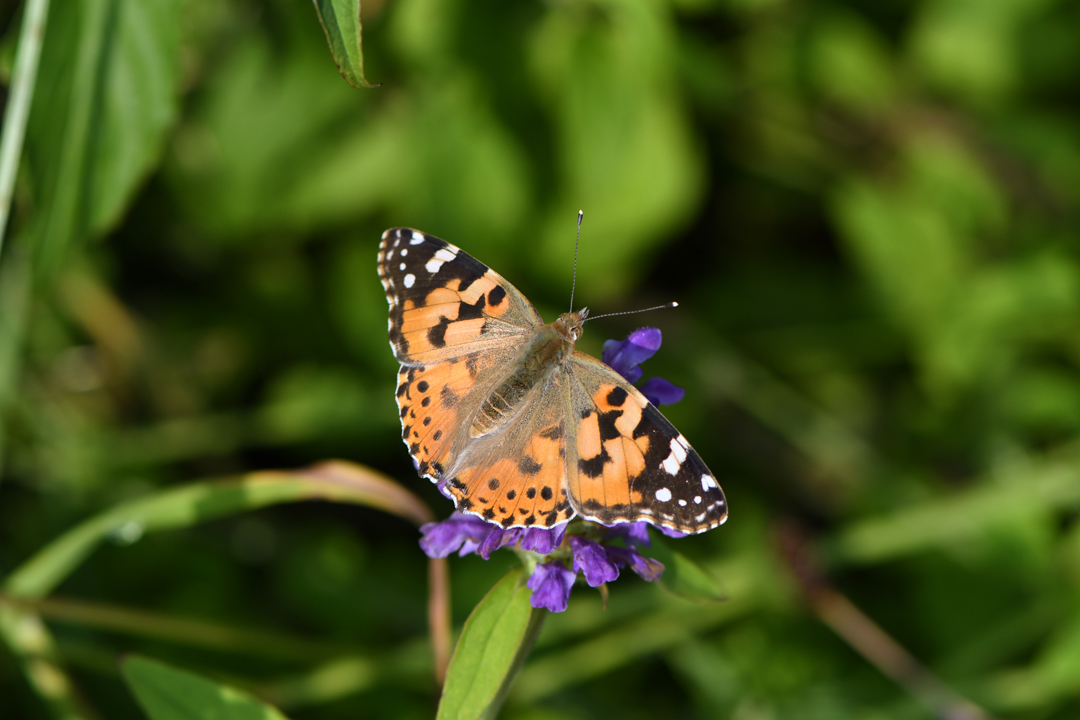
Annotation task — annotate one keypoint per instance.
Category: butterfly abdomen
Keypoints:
(540, 358)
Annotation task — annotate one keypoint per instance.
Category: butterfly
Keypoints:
(513, 423)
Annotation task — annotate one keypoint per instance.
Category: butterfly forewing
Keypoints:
(444, 303)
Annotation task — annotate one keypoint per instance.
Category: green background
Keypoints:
(867, 210)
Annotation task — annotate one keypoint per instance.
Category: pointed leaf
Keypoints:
(166, 693)
(107, 92)
(340, 20)
(491, 649)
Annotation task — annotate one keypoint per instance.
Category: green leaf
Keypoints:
(166, 693)
(684, 577)
(493, 645)
(340, 20)
(336, 481)
(107, 92)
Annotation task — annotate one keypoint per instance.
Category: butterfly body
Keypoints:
(513, 422)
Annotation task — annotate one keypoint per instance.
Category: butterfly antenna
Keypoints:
(573, 284)
(634, 312)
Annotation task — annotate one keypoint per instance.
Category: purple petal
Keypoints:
(661, 392)
(468, 547)
(633, 533)
(647, 568)
(441, 485)
(672, 533)
(591, 559)
(443, 538)
(543, 540)
(624, 356)
(551, 584)
(496, 539)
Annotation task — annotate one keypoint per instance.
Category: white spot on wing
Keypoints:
(674, 461)
(444, 255)
(404, 252)
(417, 238)
(678, 449)
(409, 280)
(697, 499)
(707, 481)
(663, 495)
(682, 503)
(401, 266)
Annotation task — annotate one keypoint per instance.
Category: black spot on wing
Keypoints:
(471, 312)
(436, 334)
(496, 296)
(617, 396)
(529, 466)
(552, 433)
(594, 467)
(608, 431)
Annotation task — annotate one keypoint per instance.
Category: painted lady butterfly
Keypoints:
(518, 427)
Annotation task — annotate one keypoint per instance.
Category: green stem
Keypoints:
(23, 80)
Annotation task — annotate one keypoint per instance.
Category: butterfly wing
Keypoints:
(516, 477)
(444, 303)
(456, 327)
(627, 463)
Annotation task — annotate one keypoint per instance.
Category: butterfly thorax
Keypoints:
(548, 348)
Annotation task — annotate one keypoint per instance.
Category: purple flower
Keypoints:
(457, 531)
(661, 392)
(591, 558)
(543, 540)
(647, 568)
(496, 539)
(551, 583)
(624, 357)
(635, 534)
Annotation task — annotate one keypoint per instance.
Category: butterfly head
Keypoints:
(569, 324)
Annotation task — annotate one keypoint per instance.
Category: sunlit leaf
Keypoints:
(489, 650)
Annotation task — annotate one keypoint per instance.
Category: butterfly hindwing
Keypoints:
(444, 303)
(628, 463)
(517, 478)
(433, 399)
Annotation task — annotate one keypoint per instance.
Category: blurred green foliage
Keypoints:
(867, 210)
